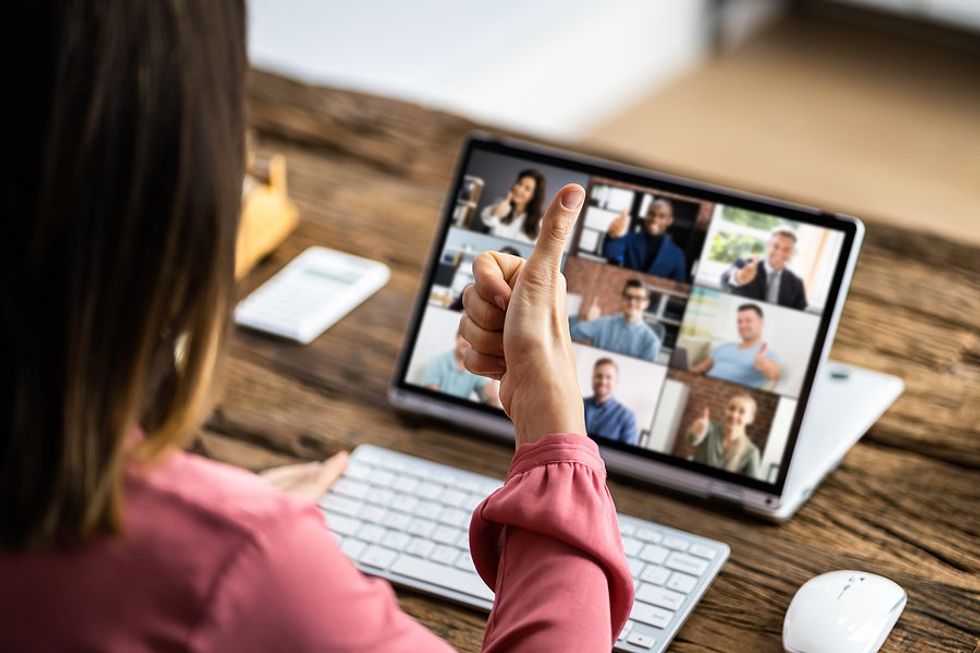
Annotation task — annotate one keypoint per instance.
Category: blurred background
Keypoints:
(870, 107)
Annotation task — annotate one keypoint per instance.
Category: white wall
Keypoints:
(778, 433)
(552, 67)
(673, 399)
(437, 335)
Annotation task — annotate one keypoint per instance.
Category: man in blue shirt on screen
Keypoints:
(649, 250)
(751, 362)
(445, 373)
(604, 416)
(623, 333)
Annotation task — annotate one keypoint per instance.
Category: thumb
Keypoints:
(556, 226)
(762, 349)
(332, 468)
(707, 413)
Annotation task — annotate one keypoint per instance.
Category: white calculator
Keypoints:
(313, 291)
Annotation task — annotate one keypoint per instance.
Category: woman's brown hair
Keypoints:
(120, 199)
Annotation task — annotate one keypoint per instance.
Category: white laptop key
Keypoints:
(444, 555)
(636, 566)
(341, 505)
(702, 551)
(371, 533)
(377, 556)
(631, 547)
(351, 488)
(371, 513)
(442, 576)
(420, 547)
(676, 543)
(465, 562)
(659, 596)
(445, 535)
(640, 640)
(653, 553)
(648, 535)
(655, 575)
(397, 541)
(342, 525)
(681, 582)
(651, 615)
(687, 564)
(352, 547)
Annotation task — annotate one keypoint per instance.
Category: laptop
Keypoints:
(702, 322)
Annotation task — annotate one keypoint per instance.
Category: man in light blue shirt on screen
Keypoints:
(605, 417)
(445, 373)
(624, 333)
(750, 362)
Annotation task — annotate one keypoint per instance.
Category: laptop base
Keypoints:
(846, 401)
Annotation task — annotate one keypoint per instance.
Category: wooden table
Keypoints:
(370, 174)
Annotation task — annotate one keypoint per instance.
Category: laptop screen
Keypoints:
(697, 317)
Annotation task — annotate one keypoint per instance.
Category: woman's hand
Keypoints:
(517, 325)
(618, 227)
(308, 481)
(699, 428)
(503, 207)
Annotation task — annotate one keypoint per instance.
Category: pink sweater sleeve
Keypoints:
(548, 543)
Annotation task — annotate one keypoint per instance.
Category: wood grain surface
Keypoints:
(369, 176)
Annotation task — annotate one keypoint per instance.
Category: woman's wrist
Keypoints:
(546, 415)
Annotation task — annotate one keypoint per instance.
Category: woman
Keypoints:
(727, 445)
(121, 205)
(518, 216)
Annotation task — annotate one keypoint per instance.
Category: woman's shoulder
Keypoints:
(193, 492)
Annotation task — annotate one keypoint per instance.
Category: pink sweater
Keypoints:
(213, 559)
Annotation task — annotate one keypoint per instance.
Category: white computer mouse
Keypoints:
(842, 612)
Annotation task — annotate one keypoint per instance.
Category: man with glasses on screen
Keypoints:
(624, 333)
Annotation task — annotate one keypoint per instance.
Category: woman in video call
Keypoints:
(726, 445)
(518, 216)
(124, 189)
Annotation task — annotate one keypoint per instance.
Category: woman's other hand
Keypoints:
(517, 325)
(308, 481)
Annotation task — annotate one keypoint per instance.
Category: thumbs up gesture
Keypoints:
(592, 312)
(760, 361)
(748, 271)
(618, 227)
(515, 320)
(699, 428)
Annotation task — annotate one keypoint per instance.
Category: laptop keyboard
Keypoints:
(406, 519)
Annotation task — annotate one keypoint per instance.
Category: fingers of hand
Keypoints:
(556, 228)
(332, 468)
(482, 340)
(493, 276)
(482, 312)
(484, 364)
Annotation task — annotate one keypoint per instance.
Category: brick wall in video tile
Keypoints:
(714, 394)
